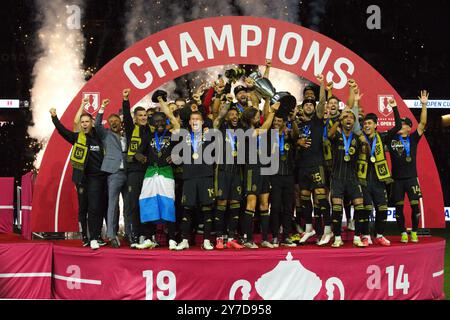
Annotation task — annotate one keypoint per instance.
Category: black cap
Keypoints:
(309, 101)
(371, 116)
(239, 88)
(407, 121)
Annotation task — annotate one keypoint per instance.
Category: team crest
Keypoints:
(94, 102)
(383, 105)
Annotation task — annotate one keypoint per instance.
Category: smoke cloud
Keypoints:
(58, 73)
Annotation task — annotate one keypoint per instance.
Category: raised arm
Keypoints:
(126, 110)
(329, 90)
(76, 120)
(219, 119)
(398, 122)
(268, 66)
(423, 115)
(68, 135)
(99, 120)
(357, 98)
(320, 109)
(169, 114)
(268, 121)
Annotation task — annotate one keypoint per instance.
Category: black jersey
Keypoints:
(157, 147)
(342, 169)
(312, 156)
(401, 167)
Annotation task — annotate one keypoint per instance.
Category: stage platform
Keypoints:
(64, 269)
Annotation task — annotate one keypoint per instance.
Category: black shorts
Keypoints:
(375, 193)
(341, 188)
(254, 182)
(311, 178)
(328, 171)
(229, 186)
(410, 186)
(198, 192)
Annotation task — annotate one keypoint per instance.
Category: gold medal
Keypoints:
(372, 159)
(351, 150)
(287, 146)
(347, 158)
(408, 159)
(195, 156)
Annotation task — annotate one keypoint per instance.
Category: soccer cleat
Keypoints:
(288, 243)
(156, 244)
(382, 241)
(404, 238)
(267, 244)
(358, 243)
(101, 242)
(207, 245)
(368, 238)
(147, 244)
(115, 243)
(296, 237)
(94, 245)
(172, 245)
(275, 243)
(351, 225)
(85, 241)
(134, 242)
(306, 236)
(414, 237)
(326, 238)
(337, 242)
(251, 245)
(219, 243)
(233, 244)
(184, 244)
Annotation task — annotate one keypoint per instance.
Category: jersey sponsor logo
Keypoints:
(95, 148)
(398, 147)
(383, 105)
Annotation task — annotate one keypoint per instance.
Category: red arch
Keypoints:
(51, 213)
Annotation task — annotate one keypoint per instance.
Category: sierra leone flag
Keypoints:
(157, 199)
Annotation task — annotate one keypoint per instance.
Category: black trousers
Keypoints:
(92, 205)
(282, 200)
(82, 208)
(134, 182)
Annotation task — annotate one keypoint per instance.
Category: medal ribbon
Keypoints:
(157, 140)
(347, 141)
(194, 143)
(233, 139)
(325, 129)
(374, 143)
(281, 143)
(406, 145)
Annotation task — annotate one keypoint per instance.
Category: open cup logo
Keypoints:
(289, 280)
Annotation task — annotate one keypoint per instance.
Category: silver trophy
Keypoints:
(265, 88)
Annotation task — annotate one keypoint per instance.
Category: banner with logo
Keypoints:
(204, 43)
(379, 273)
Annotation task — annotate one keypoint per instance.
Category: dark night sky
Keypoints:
(411, 50)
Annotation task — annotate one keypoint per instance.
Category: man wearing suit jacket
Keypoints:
(114, 163)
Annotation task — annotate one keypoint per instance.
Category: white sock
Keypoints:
(379, 235)
(308, 228)
(327, 229)
(356, 238)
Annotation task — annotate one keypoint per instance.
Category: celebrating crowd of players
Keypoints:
(328, 160)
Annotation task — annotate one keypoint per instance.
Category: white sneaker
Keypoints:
(250, 245)
(337, 242)
(172, 245)
(94, 245)
(207, 245)
(147, 244)
(326, 238)
(184, 244)
(351, 225)
(267, 244)
(306, 236)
